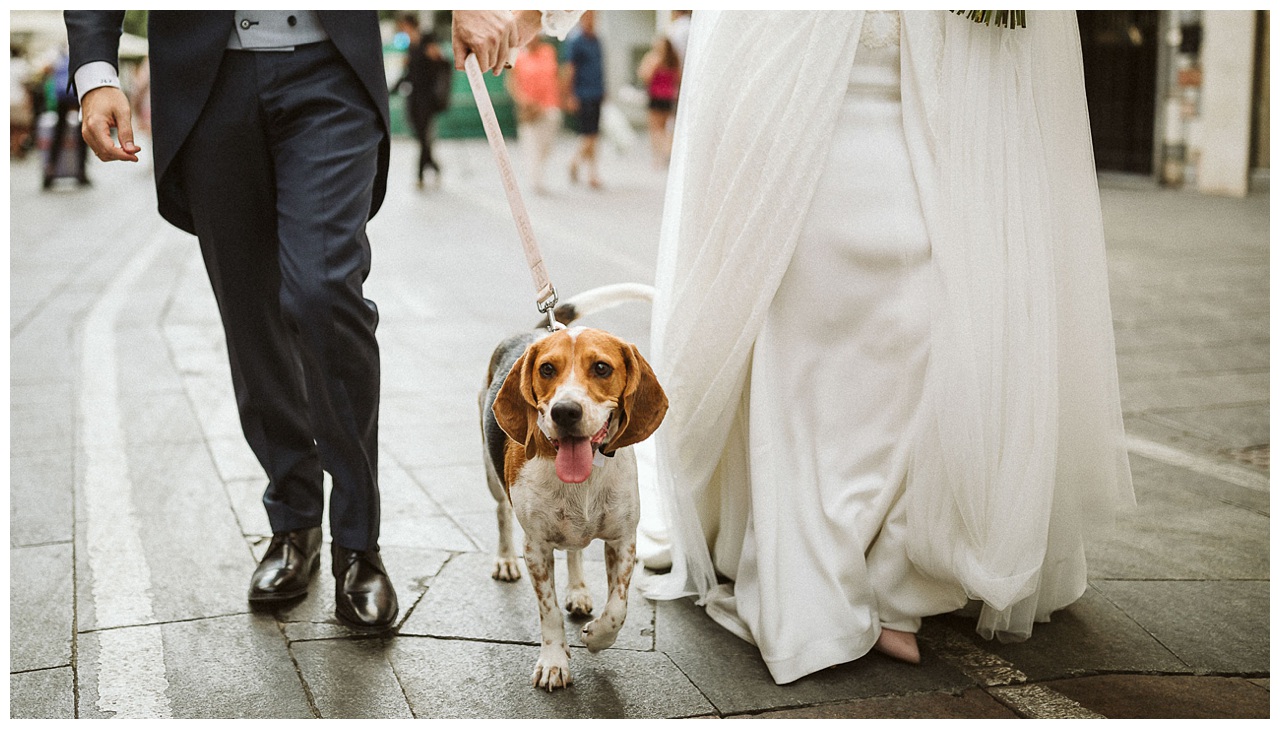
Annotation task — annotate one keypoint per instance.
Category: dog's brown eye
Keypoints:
(602, 369)
(547, 370)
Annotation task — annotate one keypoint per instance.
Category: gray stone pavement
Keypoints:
(135, 513)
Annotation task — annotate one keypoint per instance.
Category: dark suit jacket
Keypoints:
(186, 48)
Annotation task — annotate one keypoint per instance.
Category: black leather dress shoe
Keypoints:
(287, 567)
(364, 597)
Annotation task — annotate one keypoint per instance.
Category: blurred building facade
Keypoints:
(1181, 95)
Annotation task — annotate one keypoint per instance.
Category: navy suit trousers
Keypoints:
(279, 174)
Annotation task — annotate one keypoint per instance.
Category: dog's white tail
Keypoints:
(601, 298)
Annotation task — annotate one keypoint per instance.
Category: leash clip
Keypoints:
(548, 306)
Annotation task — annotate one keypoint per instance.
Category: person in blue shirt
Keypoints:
(583, 90)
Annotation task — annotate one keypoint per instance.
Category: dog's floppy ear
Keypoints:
(516, 408)
(643, 403)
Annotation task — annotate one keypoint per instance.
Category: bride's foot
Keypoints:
(897, 644)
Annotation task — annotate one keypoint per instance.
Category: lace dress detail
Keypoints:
(881, 29)
(877, 64)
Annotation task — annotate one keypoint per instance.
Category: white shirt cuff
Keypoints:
(94, 74)
(559, 22)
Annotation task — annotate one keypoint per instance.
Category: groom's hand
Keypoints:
(103, 109)
(492, 35)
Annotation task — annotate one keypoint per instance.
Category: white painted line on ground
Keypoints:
(131, 677)
(1003, 680)
(1200, 464)
(131, 674)
(1035, 701)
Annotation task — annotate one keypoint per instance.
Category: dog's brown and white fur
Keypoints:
(558, 414)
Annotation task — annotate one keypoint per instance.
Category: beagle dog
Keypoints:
(558, 412)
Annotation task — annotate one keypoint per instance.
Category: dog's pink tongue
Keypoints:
(573, 460)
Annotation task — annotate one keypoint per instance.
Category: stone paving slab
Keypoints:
(234, 667)
(1151, 304)
(462, 679)
(1168, 697)
(49, 393)
(40, 601)
(197, 347)
(465, 602)
(1176, 532)
(47, 694)
(1153, 428)
(40, 499)
(46, 347)
(1212, 626)
(351, 679)
(1243, 490)
(198, 563)
(735, 679)
(971, 704)
(459, 489)
(1090, 635)
(1195, 391)
(148, 365)
(51, 424)
(163, 418)
(232, 458)
(1176, 335)
(150, 299)
(1233, 427)
(451, 440)
(245, 497)
(1195, 360)
(215, 404)
(411, 518)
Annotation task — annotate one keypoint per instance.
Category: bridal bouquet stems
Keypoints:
(1001, 18)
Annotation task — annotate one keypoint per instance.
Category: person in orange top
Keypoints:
(535, 88)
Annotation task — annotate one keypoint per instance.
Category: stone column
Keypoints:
(1227, 102)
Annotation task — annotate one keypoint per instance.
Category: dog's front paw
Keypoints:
(600, 634)
(552, 670)
(506, 569)
(578, 603)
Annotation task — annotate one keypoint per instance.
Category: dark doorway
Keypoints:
(1120, 48)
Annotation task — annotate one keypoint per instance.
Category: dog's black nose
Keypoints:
(566, 414)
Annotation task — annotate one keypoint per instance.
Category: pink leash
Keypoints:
(546, 298)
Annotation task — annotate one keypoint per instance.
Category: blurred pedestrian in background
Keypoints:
(64, 131)
(582, 81)
(21, 111)
(883, 325)
(660, 72)
(535, 87)
(428, 78)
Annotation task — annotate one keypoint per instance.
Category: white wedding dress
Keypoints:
(836, 506)
(836, 378)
